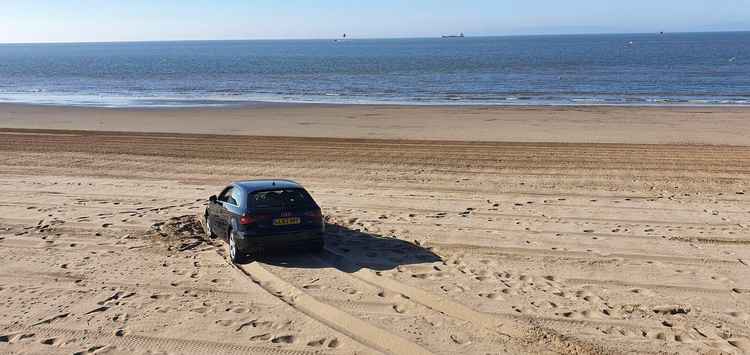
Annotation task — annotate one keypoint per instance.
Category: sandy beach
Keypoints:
(583, 124)
(452, 230)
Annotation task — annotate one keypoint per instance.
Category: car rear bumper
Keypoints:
(251, 243)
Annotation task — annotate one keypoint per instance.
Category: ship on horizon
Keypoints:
(460, 35)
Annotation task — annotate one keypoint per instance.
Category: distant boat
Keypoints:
(343, 37)
(461, 35)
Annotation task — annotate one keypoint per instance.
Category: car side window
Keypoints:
(226, 194)
(235, 197)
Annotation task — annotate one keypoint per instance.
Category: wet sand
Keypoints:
(433, 246)
(631, 125)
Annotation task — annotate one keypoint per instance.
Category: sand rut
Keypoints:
(508, 333)
(343, 322)
(125, 343)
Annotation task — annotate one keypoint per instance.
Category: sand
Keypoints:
(596, 244)
(630, 125)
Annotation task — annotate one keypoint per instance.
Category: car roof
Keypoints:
(267, 184)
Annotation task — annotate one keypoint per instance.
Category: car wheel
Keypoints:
(209, 232)
(235, 255)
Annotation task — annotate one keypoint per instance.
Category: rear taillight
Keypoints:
(250, 218)
(245, 220)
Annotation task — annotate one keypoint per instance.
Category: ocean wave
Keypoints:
(234, 99)
(228, 97)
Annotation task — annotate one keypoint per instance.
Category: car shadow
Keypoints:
(351, 250)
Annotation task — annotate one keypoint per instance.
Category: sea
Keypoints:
(698, 69)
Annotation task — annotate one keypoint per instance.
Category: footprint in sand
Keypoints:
(225, 322)
(588, 296)
(491, 296)
(238, 309)
(15, 338)
(120, 318)
(399, 308)
(672, 309)
(587, 314)
(51, 341)
(160, 296)
(317, 343)
(261, 337)
(93, 350)
(739, 315)
(350, 291)
(221, 282)
(388, 294)
(284, 339)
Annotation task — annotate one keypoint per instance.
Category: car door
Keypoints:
(218, 212)
(231, 208)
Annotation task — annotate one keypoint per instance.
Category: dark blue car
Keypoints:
(256, 215)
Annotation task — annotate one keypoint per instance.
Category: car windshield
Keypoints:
(281, 199)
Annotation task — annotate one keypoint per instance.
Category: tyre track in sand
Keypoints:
(359, 330)
(512, 330)
(366, 334)
(97, 341)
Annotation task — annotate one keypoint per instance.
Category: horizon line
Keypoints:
(348, 38)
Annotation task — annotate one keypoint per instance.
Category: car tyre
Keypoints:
(236, 255)
(209, 233)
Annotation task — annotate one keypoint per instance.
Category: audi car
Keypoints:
(253, 216)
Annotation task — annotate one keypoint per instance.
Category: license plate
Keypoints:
(286, 221)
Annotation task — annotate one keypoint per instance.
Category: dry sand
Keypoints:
(433, 246)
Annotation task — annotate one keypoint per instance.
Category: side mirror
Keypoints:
(212, 199)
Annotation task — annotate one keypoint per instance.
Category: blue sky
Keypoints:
(136, 20)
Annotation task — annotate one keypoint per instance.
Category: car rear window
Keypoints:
(281, 199)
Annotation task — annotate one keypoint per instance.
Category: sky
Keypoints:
(26, 21)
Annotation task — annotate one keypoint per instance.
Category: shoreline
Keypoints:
(244, 104)
(569, 124)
